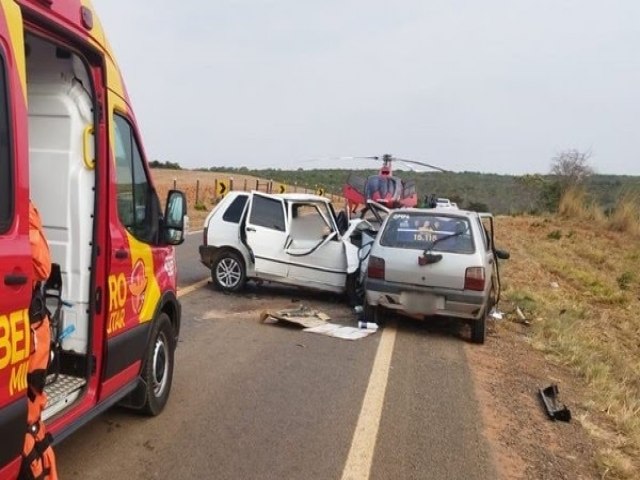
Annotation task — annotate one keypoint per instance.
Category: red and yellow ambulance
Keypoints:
(69, 141)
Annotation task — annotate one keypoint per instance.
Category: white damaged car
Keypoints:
(439, 261)
(295, 239)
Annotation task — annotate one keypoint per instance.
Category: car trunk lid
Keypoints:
(449, 272)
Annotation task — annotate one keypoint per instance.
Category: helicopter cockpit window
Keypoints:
(380, 187)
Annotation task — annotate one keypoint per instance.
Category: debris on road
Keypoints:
(302, 316)
(368, 325)
(496, 314)
(555, 409)
(341, 331)
(314, 321)
(521, 318)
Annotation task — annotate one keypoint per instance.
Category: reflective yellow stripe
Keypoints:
(14, 23)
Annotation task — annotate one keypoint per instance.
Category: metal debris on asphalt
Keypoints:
(301, 316)
(314, 321)
(341, 331)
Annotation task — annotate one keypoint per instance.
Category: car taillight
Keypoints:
(375, 268)
(474, 279)
(204, 235)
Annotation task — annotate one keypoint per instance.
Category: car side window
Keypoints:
(267, 212)
(6, 159)
(233, 213)
(135, 196)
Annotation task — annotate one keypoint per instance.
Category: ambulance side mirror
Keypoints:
(174, 218)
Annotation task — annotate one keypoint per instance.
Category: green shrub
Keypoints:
(555, 235)
(624, 280)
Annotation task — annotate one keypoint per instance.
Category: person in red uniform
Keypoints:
(38, 459)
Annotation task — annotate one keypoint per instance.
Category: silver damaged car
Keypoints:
(439, 261)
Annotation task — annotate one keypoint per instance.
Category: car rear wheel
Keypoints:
(228, 272)
(479, 329)
(374, 314)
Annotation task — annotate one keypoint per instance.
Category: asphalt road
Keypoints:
(190, 270)
(254, 401)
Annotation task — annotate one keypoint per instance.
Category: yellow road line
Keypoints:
(358, 466)
(192, 288)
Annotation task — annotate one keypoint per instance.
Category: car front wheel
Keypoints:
(228, 272)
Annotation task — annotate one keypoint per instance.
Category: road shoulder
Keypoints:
(525, 444)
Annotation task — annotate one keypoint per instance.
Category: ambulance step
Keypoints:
(63, 392)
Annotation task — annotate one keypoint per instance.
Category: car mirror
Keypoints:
(175, 215)
(502, 254)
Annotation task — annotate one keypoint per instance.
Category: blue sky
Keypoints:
(494, 86)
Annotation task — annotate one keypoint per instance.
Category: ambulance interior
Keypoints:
(62, 178)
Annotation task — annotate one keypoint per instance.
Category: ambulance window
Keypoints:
(6, 185)
(134, 191)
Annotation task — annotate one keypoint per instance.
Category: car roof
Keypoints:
(296, 197)
(447, 211)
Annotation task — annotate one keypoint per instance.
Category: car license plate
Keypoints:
(424, 303)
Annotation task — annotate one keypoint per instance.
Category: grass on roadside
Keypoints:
(591, 322)
(626, 215)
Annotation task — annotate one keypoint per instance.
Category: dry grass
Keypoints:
(591, 322)
(626, 215)
(186, 180)
(574, 204)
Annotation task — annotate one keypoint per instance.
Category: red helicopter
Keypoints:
(384, 188)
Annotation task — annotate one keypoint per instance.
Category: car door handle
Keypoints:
(121, 254)
(15, 279)
(251, 229)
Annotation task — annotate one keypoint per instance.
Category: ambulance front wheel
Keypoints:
(158, 369)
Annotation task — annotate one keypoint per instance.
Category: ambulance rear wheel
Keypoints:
(158, 368)
(228, 272)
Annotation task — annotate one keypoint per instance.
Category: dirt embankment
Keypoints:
(578, 287)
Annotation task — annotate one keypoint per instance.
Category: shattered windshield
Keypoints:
(425, 231)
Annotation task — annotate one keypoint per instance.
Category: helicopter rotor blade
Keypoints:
(415, 162)
(328, 159)
(410, 167)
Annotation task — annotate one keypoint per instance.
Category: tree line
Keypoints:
(500, 194)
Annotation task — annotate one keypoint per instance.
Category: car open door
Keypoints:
(487, 227)
(16, 268)
(266, 235)
(315, 252)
